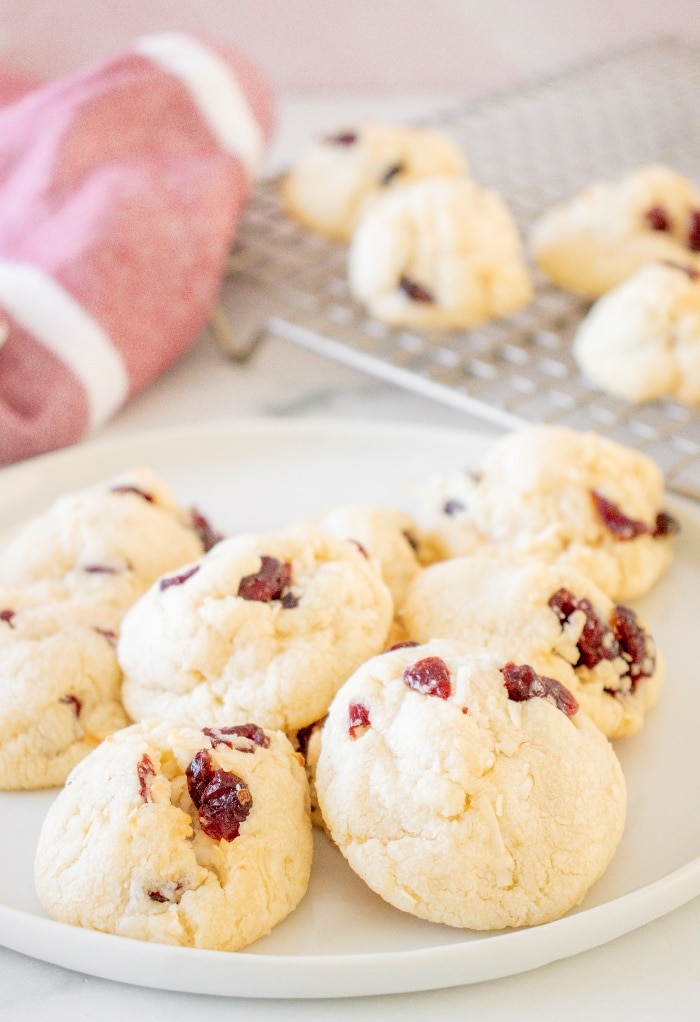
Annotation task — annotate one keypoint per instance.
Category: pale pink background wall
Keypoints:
(356, 45)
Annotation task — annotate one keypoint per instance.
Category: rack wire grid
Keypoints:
(535, 147)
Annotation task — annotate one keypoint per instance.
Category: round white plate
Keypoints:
(343, 940)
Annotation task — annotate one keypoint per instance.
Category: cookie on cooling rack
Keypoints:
(572, 498)
(641, 341)
(554, 619)
(443, 252)
(181, 836)
(265, 626)
(60, 689)
(468, 791)
(103, 546)
(596, 240)
(335, 179)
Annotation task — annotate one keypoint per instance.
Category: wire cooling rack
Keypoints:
(535, 147)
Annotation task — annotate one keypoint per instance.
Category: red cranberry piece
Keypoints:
(636, 644)
(209, 536)
(391, 173)
(268, 583)
(7, 615)
(343, 138)
(157, 896)
(522, 683)
(416, 292)
(597, 641)
(429, 676)
(226, 736)
(145, 771)
(289, 601)
(303, 737)
(358, 719)
(453, 507)
(658, 219)
(74, 702)
(402, 645)
(133, 489)
(621, 527)
(666, 525)
(177, 580)
(222, 799)
(694, 231)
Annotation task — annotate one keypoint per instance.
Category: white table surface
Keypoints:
(651, 973)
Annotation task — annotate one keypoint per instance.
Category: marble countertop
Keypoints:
(649, 973)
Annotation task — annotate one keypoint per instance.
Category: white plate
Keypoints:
(343, 940)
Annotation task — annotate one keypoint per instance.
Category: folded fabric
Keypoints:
(120, 190)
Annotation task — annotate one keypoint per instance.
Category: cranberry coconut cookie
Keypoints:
(468, 791)
(641, 341)
(266, 626)
(60, 689)
(443, 252)
(551, 617)
(574, 499)
(177, 835)
(336, 178)
(103, 546)
(594, 241)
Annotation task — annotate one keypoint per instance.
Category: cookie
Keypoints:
(60, 689)
(467, 791)
(444, 252)
(336, 178)
(595, 240)
(266, 626)
(103, 546)
(180, 836)
(554, 619)
(641, 341)
(575, 499)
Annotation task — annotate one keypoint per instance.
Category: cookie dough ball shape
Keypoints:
(179, 836)
(595, 240)
(336, 178)
(458, 804)
(443, 252)
(641, 341)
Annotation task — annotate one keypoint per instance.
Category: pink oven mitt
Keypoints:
(120, 191)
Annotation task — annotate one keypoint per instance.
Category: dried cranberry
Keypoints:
(658, 219)
(666, 525)
(453, 507)
(289, 601)
(402, 645)
(145, 771)
(222, 799)
(523, 683)
(133, 489)
(694, 231)
(157, 896)
(226, 735)
(209, 536)
(7, 615)
(597, 641)
(635, 643)
(344, 138)
(391, 173)
(74, 702)
(430, 676)
(268, 583)
(416, 292)
(358, 719)
(621, 527)
(303, 737)
(177, 580)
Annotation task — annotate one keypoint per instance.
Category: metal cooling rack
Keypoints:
(534, 147)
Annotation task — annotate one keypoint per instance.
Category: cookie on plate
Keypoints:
(551, 617)
(60, 689)
(180, 836)
(444, 252)
(595, 240)
(106, 544)
(566, 497)
(336, 178)
(468, 791)
(641, 341)
(266, 626)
